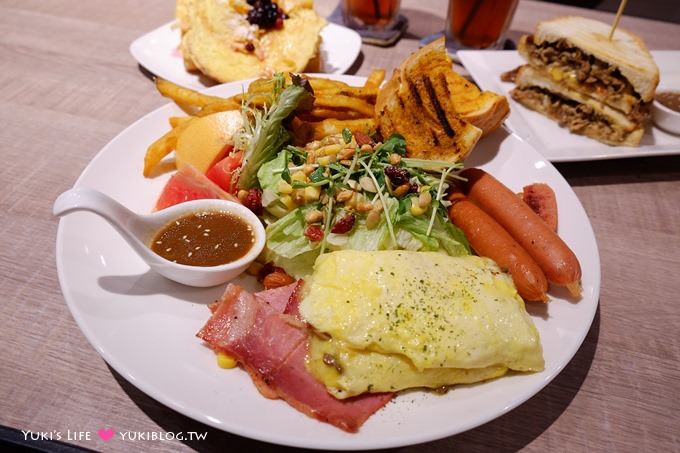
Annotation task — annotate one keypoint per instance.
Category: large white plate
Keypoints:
(144, 326)
(557, 144)
(158, 52)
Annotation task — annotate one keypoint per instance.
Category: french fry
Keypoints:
(163, 146)
(375, 78)
(321, 84)
(220, 106)
(337, 106)
(323, 113)
(305, 131)
(366, 94)
(184, 97)
(177, 120)
(338, 101)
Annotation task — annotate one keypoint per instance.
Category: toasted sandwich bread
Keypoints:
(435, 109)
(218, 40)
(579, 113)
(484, 109)
(625, 52)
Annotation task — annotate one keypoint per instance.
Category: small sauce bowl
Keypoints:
(139, 230)
(664, 117)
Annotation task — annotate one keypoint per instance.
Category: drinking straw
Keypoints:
(619, 13)
(376, 6)
(468, 19)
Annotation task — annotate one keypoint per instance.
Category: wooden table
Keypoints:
(68, 85)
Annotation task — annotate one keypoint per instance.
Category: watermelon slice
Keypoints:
(190, 184)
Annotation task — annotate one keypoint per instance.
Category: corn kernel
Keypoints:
(288, 202)
(285, 188)
(312, 193)
(299, 176)
(416, 209)
(225, 361)
(326, 160)
(329, 150)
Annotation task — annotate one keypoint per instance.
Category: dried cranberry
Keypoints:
(250, 47)
(314, 233)
(413, 188)
(253, 201)
(398, 176)
(343, 225)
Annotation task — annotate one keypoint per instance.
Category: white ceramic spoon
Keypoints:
(138, 230)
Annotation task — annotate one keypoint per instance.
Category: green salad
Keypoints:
(345, 191)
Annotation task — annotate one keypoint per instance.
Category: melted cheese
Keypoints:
(399, 319)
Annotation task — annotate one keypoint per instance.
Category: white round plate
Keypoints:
(158, 52)
(144, 326)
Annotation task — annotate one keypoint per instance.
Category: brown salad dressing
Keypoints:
(670, 99)
(207, 238)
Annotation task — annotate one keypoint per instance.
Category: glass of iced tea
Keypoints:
(370, 14)
(478, 24)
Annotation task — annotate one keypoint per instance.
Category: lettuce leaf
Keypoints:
(287, 245)
(362, 238)
(444, 235)
(267, 136)
(269, 175)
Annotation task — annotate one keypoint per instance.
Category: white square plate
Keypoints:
(158, 52)
(557, 144)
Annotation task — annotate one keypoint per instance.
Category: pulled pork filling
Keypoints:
(578, 118)
(587, 69)
(596, 75)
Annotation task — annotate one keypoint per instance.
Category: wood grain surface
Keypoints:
(68, 85)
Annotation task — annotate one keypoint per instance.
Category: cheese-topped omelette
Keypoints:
(218, 40)
(391, 320)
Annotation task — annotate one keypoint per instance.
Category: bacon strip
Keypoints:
(271, 346)
(277, 298)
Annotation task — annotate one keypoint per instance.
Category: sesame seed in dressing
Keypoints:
(196, 239)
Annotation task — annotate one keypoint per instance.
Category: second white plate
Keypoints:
(557, 144)
(158, 52)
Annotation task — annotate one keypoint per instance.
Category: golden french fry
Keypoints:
(263, 86)
(322, 113)
(177, 120)
(221, 106)
(366, 94)
(304, 131)
(375, 78)
(321, 84)
(184, 97)
(158, 150)
(338, 101)
(163, 146)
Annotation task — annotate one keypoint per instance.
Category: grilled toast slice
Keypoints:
(485, 109)
(417, 103)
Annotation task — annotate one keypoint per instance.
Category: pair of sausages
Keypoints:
(500, 226)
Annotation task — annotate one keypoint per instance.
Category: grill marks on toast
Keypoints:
(441, 114)
(414, 93)
(417, 102)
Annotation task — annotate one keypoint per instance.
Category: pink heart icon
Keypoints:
(106, 434)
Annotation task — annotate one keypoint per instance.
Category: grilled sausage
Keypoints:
(490, 239)
(558, 262)
(541, 199)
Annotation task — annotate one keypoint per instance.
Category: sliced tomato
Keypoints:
(222, 173)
